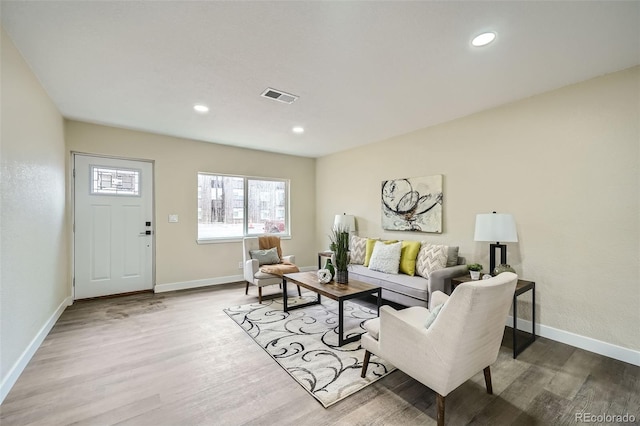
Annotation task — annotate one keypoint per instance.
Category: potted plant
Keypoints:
(340, 240)
(474, 270)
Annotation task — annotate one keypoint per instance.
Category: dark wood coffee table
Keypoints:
(332, 290)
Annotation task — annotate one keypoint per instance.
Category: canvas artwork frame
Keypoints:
(412, 204)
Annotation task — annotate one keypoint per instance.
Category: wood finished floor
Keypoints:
(177, 359)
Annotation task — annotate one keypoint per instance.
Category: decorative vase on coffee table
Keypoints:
(475, 275)
(342, 277)
(329, 265)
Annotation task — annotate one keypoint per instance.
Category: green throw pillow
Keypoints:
(432, 315)
(408, 255)
(265, 257)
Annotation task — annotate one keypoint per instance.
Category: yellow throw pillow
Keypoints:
(369, 249)
(408, 255)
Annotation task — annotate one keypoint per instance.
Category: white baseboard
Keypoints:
(185, 285)
(12, 376)
(587, 343)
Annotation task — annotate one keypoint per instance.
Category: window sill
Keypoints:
(236, 239)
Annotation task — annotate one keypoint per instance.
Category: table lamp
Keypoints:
(498, 227)
(344, 220)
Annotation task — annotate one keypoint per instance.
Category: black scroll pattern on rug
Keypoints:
(305, 343)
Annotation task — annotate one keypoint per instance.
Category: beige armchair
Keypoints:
(268, 274)
(463, 339)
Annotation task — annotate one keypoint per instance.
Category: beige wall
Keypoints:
(179, 258)
(34, 262)
(564, 163)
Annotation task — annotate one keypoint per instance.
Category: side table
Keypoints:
(521, 287)
(322, 254)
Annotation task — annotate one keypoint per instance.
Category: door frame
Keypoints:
(72, 190)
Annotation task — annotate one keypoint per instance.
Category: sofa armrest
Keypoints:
(289, 259)
(250, 269)
(437, 279)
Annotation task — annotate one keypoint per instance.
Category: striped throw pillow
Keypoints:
(357, 247)
(431, 258)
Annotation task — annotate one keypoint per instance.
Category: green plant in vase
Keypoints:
(340, 240)
(474, 267)
(474, 270)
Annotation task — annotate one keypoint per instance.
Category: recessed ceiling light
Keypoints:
(483, 39)
(299, 130)
(201, 108)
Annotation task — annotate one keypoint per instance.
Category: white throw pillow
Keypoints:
(386, 257)
(431, 258)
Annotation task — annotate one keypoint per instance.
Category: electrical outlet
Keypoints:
(240, 265)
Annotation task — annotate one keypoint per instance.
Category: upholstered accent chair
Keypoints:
(257, 274)
(463, 338)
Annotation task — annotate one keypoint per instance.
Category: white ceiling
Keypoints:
(364, 71)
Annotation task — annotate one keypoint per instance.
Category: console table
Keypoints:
(521, 287)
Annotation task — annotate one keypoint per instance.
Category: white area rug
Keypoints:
(305, 343)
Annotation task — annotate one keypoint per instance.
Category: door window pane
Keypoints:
(110, 181)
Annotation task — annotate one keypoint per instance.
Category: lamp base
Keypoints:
(492, 255)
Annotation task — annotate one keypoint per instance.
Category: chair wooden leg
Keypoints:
(487, 380)
(440, 399)
(365, 363)
(246, 290)
(299, 292)
(259, 294)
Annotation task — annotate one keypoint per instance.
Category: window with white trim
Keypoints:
(232, 207)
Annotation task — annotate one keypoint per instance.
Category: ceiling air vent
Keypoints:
(279, 95)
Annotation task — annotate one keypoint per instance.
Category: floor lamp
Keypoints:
(496, 227)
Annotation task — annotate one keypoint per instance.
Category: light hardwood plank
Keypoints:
(176, 359)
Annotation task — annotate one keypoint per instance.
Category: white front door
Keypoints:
(113, 240)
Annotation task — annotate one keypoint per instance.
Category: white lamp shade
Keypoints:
(345, 221)
(499, 227)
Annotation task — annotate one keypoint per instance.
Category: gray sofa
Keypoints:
(409, 290)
